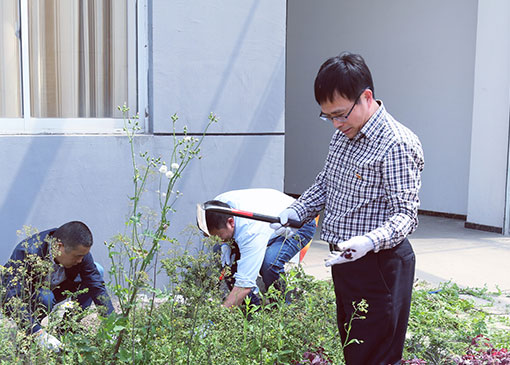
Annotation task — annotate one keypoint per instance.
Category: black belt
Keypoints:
(334, 247)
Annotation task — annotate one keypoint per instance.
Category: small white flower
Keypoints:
(169, 174)
(175, 166)
(68, 305)
(187, 138)
(163, 169)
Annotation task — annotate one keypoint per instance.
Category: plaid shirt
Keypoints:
(369, 185)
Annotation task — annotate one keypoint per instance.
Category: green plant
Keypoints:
(135, 252)
(359, 308)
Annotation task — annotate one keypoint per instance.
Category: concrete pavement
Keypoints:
(445, 251)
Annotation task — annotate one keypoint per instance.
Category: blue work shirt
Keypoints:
(38, 245)
(250, 235)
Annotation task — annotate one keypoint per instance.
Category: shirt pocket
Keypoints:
(367, 180)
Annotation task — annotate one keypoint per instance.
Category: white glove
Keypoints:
(280, 228)
(44, 339)
(226, 255)
(351, 250)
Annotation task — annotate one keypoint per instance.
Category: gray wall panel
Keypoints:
(224, 57)
(488, 183)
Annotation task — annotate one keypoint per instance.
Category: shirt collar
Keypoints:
(373, 124)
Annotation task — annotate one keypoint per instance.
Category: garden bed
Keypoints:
(186, 329)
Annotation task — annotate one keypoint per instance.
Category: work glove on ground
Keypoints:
(280, 229)
(226, 255)
(44, 339)
(351, 250)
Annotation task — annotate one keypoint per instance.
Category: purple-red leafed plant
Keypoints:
(315, 357)
(481, 352)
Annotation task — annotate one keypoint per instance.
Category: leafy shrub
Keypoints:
(202, 331)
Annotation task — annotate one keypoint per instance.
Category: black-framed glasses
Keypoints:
(341, 118)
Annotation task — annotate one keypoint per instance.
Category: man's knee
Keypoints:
(270, 268)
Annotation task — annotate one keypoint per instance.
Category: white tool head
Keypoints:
(201, 221)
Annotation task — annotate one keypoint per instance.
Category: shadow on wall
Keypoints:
(233, 57)
(234, 160)
(248, 158)
(251, 155)
(24, 171)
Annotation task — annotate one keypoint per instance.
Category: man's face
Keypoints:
(340, 106)
(72, 257)
(226, 233)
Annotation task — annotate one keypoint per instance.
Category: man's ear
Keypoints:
(368, 95)
(231, 222)
(59, 246)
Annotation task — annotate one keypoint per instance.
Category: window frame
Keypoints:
(32, 125)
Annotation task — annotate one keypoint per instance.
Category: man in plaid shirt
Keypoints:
(368, 190)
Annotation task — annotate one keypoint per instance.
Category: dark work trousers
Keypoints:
(385, 281)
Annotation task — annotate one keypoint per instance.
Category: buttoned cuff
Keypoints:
(299, 209)
(373, 238)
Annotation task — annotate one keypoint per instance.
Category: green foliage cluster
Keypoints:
(193, 328)
(135, 253)
(189, 326)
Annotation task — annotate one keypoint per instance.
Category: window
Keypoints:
(65, 65)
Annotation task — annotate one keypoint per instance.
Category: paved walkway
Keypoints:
(445, 251)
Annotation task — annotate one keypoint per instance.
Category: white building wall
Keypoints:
(421, 54)
(489, 140)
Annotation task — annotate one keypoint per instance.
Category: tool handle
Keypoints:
(293, 223)
(250, 215)
(270, 219)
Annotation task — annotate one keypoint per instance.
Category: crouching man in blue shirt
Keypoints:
(43, 269)
(259, 250)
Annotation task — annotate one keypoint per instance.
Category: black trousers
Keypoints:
(385, 281)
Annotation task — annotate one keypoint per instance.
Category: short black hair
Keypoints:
(346, 74)
(216, 220)
(73, 234)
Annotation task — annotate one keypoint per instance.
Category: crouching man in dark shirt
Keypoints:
(44, 269)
